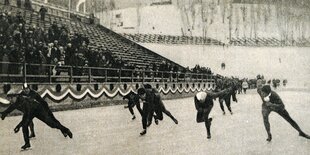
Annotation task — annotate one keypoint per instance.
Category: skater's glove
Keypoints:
(16, 129)
(3, 115)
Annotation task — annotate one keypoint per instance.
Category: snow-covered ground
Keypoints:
(291, 63)
(110, 130)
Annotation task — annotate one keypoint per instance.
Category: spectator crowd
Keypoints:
(58, 46)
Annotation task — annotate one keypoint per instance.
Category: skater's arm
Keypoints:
(12, 107)
(217, 94)
(139, 107)
(37, 96)
(275, 101)
(126, 97)
(273, 105)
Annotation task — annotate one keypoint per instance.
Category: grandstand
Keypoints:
(78, 85)
(99, 37)
(73, 62)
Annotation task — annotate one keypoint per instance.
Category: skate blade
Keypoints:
(27, 149)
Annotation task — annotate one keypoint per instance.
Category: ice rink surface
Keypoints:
(110, 130)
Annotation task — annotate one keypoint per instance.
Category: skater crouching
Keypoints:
(204, 104)
(152, 103)
(32, 109)
(273, 102)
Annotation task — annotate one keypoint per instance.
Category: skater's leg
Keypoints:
(139, 108)
(227, 102)
(208, 126)
(25, 124)
(31, 126)
(26, 136)
(150, 116)
(208, 121)
(221, 105)
(158, 115)
(146, 110)
(145, 118)
(52, 122)
(132, 112)
(265, 112)
(170, 115)
(288, 118)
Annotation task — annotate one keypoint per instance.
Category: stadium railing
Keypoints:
(49, 74)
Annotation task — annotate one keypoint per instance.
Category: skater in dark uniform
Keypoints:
(148, 104)
(27, 92)
(133, 99)
(273, 102)
(159, 109)
(227, 98)
(204, 104)
(32, 109)
(152, 103)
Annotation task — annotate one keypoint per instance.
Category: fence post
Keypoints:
(71, 74)
(25, 73)
(196, 77)
(120, 75)
(106, 75)
(132, 76)
(89, 75)
(50, 74)
(162, 76)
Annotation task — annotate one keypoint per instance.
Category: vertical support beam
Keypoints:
(162, 76)
(50, 74)
(25, 73)
(71, 74)
(132, 76)
(106, 75)
(120, 75)
(89, 75)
